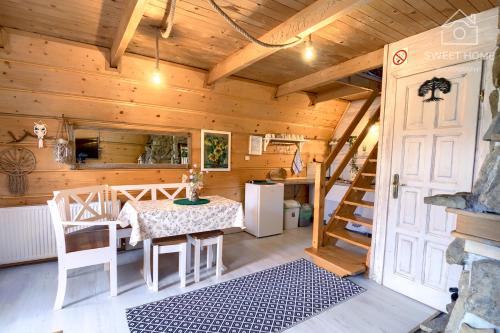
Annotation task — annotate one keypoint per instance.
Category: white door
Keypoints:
(433, 152)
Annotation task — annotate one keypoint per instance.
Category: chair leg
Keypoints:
(61, 287)
(155, 267)
(113, 274)
(218, 267)
(147, 262)
(182, 264)
(188, 257)
(197, 250)
(209, 256)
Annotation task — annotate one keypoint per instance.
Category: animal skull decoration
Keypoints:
(40, 130)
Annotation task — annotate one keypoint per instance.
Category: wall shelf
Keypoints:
(282, 141)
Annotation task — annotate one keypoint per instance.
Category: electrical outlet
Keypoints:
(247, 157)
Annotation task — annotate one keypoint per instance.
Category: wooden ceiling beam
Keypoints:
(312, 18)
(341, 92)
(331, 74)
(129, 21)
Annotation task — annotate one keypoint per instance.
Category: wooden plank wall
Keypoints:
(44, 78)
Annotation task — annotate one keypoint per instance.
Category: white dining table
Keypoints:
(151, 219)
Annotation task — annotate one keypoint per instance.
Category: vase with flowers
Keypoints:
(195, 180)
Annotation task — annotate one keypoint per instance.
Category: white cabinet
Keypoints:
(264, 209)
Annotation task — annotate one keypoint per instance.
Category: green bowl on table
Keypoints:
(187, 202)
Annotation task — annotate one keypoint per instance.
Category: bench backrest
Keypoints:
(84, 204)
(137, 192)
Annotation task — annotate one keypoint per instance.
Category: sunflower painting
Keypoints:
(215, 150)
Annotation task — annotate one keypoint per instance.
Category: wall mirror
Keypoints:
(117, 148)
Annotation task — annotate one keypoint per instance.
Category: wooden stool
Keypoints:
(170, 245)
(208, 239)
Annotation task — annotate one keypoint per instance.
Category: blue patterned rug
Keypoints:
(268, 301)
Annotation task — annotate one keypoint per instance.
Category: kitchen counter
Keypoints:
(296, 181)
(306, 181)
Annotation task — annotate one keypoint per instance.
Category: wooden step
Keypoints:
(356, 219)
(360, 203)
(338, 260)
(350, 237)
(368, 188)
(368, 174)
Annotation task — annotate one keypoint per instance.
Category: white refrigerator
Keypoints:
(264, 209)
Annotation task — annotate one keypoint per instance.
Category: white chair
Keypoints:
(170, 245)
(163, 245)
(78, 246)
(207, 239)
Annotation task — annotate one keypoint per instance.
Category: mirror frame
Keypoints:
(82, 166)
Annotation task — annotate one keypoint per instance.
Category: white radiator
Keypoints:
(26, 233)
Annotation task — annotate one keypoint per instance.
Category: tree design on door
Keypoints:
(432, 85)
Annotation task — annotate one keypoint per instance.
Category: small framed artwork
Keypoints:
(215, 150)
(255, 145)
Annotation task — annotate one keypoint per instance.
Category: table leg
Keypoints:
(147, 263)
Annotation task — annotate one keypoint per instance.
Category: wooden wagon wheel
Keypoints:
(17, 163)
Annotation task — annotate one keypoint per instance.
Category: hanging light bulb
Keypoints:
(309, 51)
(156, 78)
(374, 129)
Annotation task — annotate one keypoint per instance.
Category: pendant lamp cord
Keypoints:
(247, 35)
(157, 49)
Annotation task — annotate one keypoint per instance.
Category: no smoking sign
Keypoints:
(400, 57)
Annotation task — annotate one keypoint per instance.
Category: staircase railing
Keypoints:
(322, 187)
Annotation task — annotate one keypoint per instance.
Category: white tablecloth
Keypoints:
(162, 218)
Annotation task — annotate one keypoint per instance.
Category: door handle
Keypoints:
(396, 185)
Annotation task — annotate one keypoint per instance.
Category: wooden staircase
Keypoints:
(325, 251)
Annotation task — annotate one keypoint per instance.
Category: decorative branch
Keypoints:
(24, 136)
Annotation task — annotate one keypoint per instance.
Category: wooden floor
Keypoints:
(27, 292)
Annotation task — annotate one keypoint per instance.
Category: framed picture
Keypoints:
(255, 145)
(215, 150)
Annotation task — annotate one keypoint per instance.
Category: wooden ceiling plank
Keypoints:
(370, 21)
(275, 69)
(198, 6)
(328, 75)
(428, 10)
(481, 5)
(205, 17)
(46, 27)
(367, 29)
(442, 6)
(129, 22)
(292, 4)
(91, 8)
(312, 18)
(369, 40)
(411, 12)
(200, 13)
(388, 21)
(62, 17)
(271, 9)
(352, 38)
(397, 15)
(464, 6)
